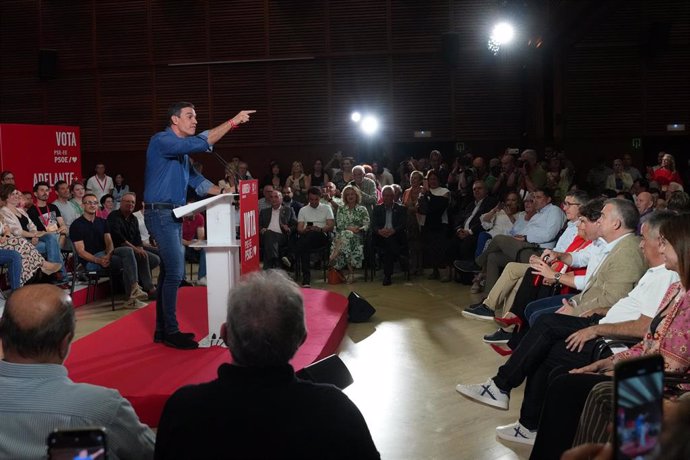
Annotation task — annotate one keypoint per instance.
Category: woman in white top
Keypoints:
(499, 220)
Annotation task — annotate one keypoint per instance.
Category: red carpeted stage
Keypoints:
(123, 356)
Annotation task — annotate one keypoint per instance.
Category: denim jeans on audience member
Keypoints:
(13, 260)
(535, 309)
(482, 239)
(202, 264)
(49, 246)
(167, 231)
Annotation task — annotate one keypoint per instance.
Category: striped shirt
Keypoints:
(35, 399)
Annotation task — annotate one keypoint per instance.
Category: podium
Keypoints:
(222, 257)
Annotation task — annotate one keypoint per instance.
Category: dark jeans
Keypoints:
(563, 404)
(307, 243)
(273, 244)
(541, 352)
(390, 250)
(14, 267)
(167, 231)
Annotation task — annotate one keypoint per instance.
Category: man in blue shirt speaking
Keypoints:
(168, 174)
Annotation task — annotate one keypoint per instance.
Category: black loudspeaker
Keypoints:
(358, 309)
(450, 48)
(47, 64)
(328, 370)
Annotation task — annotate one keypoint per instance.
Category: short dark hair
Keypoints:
(105, 197)
(74, 184)
(314, 191)
(6, 190)
(592, 209)
(644, 183)
(627, 211)
(265, 319)
(41, 339)
(58, 184)
(5, 174)
(677, 232)
(176, 108)
(580, 195)
(89, 194)
(656, 219)
(548, 192)
(39, 183)
(678, 202)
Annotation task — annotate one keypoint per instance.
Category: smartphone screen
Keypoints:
(85, 444)
(638, 407)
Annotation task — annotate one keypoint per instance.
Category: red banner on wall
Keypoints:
(40, 153)
(249, 226)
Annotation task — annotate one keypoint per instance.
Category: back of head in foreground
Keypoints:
(257, 408)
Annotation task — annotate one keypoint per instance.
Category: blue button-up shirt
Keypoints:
(169, 171)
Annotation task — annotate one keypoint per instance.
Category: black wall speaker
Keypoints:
(358, 309)
(47, 64)
(331, 370)
(450, 48)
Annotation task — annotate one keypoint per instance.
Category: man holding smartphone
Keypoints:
(314, 223)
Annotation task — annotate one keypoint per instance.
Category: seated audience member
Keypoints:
(566, 342)
(148, 242)
(24, 262)
(433, 204)
(344, 176)
(352, 223)
(107, 206)
(532, 174)
(68, 210)
(644, 202)
(318, 177)
(27, 200)
(366, 186)
(265, 327)
(678, 202)
(77, 191)
(397, 193)
(566, 394)
(93, 244)
(119, 189)
(314, 223)
(276, 224)
(389, 222)
(383, 175)
(523, 217)
(667, 173)
(100, 183)
(620, 181)
(7, 177)
(330, 196)
(540, 232)
(414, 222)
(597, 175)
(274, 178)
(124, 231)
(468, 222)
(47, 217)
(288, 201)
(266, 200)
(629, 168)
(371, 176)
(436, 163)
(499, 220)
(242, 171)
(193, 230)
(20, 224)
(509, 177)
(298, 182)
(229, 182)
(37, 328)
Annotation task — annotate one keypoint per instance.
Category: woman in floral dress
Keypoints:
(32, 260)
(351, 223)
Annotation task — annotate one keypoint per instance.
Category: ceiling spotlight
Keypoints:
(356, 116)
(370, 125)
(502, 34)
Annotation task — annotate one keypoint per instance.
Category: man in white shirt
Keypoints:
(564, 340)
(314, 223)
(100, 184)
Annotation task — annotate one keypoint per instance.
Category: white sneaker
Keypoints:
(286, 261)
(515, 432)
(138, 293)
(134, 304)
(487, 393)
(201, 281)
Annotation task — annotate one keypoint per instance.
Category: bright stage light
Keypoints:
(503, 33)
(370, 125)
(356, 116)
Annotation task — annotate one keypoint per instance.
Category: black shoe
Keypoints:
(467, 266)
(185, 283)
(500, 336)
(159, 337)
(387, 281)
(180, 341)
(479, 311)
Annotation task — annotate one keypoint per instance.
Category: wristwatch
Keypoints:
(557, 276)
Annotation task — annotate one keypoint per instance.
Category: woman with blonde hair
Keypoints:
(351, 224)
(298, 182)
(667, 172)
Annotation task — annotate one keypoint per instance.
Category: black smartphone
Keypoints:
(86, 443)
(638, 391)
(310, 224)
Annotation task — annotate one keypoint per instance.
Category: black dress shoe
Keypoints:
(159, 337)
(180, 341)
(387, 281)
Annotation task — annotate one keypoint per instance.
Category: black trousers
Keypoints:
(390, 250)
(541, 356)
(463, 249)
(563, 404)
(307, 243)
(272, 244)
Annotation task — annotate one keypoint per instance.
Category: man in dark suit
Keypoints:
(276, 224)
(468, 224)
(389, 222)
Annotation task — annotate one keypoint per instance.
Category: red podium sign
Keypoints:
(40, 153)
(249, 226)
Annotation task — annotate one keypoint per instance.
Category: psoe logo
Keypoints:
(245, 188)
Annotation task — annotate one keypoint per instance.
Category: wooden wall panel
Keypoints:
(179, 31)
(122, 112)
(122, 33)
(297, 28)
(237, 30)
(358, 26)
(174, 84)
(67, 28)
(19, 38)
(418, 25)
(72, 101)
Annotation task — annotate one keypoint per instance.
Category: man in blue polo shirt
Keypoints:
(168, 174)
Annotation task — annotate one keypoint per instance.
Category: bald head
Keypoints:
(37, 324)
(644, 201)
